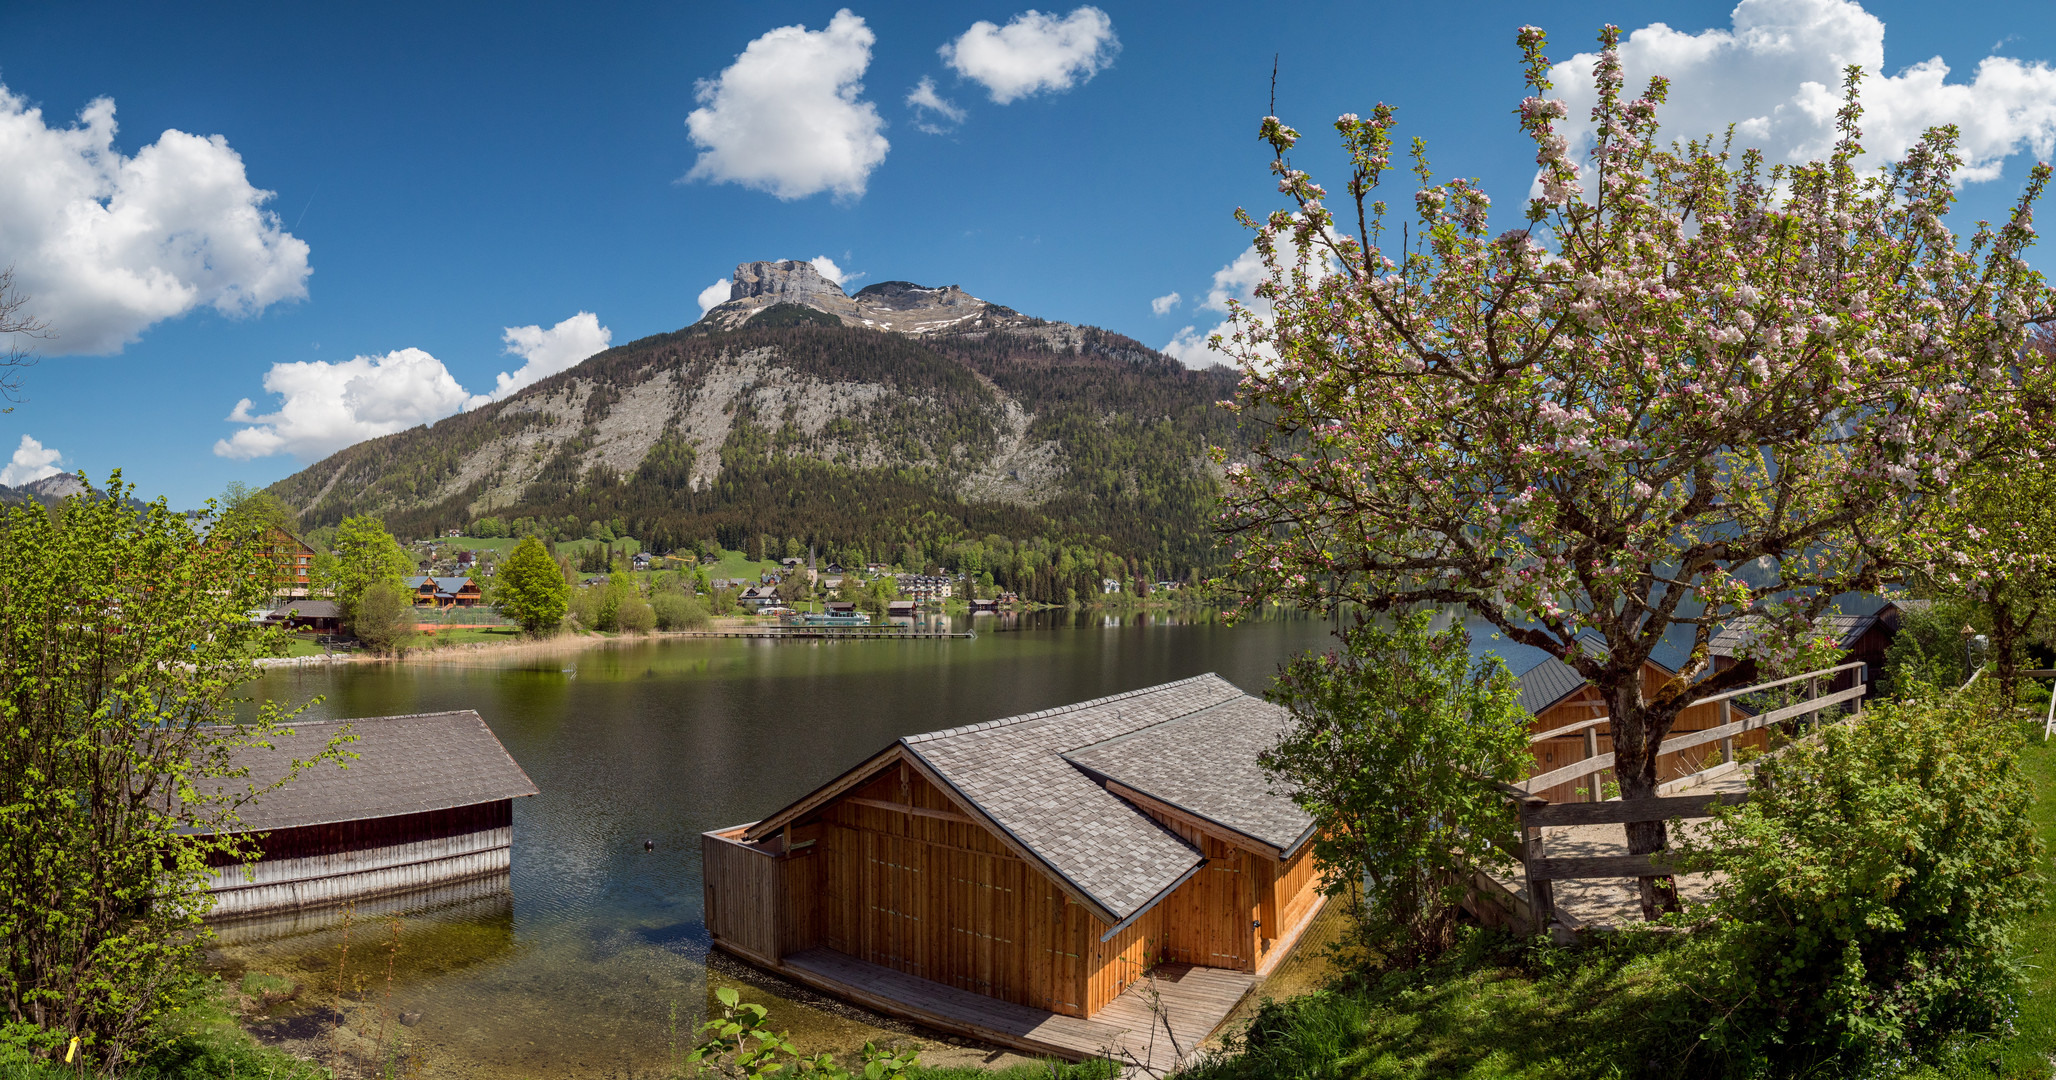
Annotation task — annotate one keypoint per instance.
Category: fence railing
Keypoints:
(1724, 733)
(1536, 814)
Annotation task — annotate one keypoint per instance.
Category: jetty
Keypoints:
(864, 633)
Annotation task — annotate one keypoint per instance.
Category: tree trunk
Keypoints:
(1637, 739)
(2007, 632)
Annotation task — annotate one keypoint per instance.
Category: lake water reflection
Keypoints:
(578, 968)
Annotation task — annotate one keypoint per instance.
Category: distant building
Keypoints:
(444, 592)
(1109, 585)
(320, 616)
(758, 597)
(294, 560)
(924, 587)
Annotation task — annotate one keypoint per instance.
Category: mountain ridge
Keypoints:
(923, 419)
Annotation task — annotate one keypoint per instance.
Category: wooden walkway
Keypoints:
(1597, 903)
(1155, 1026)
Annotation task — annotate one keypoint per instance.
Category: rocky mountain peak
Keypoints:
(787, 282)
(898, 306)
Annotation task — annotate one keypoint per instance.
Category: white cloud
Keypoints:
(924, 99)
(1776, 73)
(715, 295)
(1189, 346)
(1165, 303)
(832, 272)
(546, 352)
(1034, 52)
(1237, 281)
(785, 117)
(329, 406)
(105, 244)
(31, 461)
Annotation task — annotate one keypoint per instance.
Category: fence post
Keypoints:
(1591, 751)
(1727, 716)
(1541, 897)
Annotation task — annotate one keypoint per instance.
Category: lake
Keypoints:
(575, 966)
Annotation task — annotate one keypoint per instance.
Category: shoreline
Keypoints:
(578, 641)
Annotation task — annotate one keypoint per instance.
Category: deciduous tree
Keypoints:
(361, 555)
(530, 588)
(1997, 551)
(123, 636)
(1692, 385)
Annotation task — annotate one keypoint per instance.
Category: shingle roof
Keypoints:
(1222, 782)
(309, 609)
(1552, 680)
(1547, 683)
(1014, 770)
(404, 765)
(1736, 634)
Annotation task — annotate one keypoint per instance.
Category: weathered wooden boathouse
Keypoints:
(428, 801)
(1014, 880)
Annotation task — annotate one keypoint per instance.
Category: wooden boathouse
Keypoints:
(427, 802)
(1015, 880)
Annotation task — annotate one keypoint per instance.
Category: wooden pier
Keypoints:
(860, 633)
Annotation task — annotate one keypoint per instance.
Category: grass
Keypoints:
(468, 636)
(2034, 1041)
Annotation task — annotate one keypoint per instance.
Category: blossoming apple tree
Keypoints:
(1694, 385)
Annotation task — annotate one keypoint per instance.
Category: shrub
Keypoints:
(1394, 747)
(634, 616)
(1927, 650)
(1869, 885)
(385, 618)
(677, 611)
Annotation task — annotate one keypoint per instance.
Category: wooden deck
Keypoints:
(1154, 1026)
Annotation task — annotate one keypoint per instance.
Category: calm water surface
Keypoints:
(577, 967)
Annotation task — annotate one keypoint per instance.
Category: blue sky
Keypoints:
(440, 181)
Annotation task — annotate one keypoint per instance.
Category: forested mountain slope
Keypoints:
(1047, 454)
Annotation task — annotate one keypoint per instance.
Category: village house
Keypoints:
(444, 592)
(1109, 585)
(758, 597)
(294, 561)
(428, 801)
(319, 616)
(1015, 880)
(923, 587)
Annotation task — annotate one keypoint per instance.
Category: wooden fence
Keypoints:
(1536, 813)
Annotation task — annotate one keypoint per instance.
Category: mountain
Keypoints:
(49, 490)
(903, 424)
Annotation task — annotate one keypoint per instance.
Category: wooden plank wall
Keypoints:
(1298, 888)
(343, 836)
(742, 895)
(318, 865)
(1585, 704)
(934, 894)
